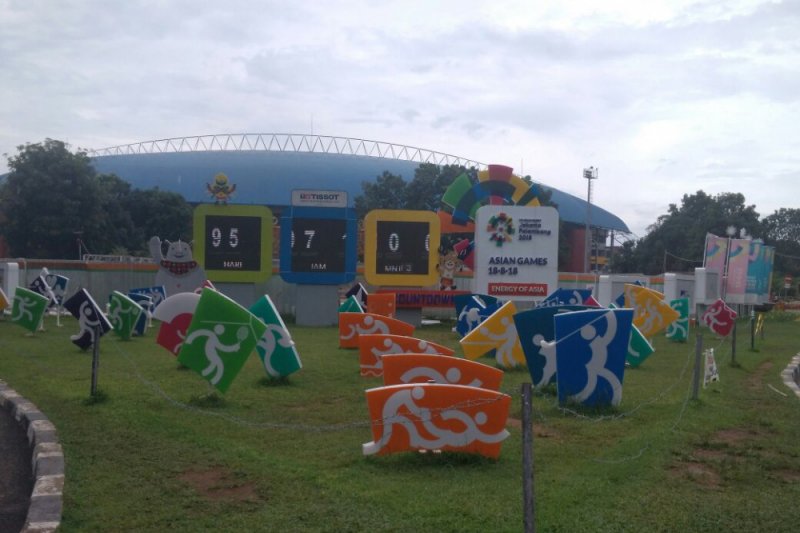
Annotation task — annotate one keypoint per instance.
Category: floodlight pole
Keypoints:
(589, 174)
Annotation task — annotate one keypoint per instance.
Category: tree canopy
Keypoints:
(52, 196)
(676, 240)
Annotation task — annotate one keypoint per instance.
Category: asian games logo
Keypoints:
(500, 229)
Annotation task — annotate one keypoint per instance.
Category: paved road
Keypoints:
(16, 478)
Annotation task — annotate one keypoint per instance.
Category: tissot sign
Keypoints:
(316, 198)
(516, 251)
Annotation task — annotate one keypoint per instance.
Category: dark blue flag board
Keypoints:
(147, 304)
(83, 307)
(40, 286)
(566, 297)
(473, 310)
(157, 294)
(536, 330)
(360, 292)
(590, 355)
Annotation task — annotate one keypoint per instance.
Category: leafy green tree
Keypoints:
(156, 212)
(388, 192)
(782, 230)
(50, 197)
(676, 240)
(429, 184)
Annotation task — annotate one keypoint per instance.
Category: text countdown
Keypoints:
(318, 245)
(401, 248)
(234, 242)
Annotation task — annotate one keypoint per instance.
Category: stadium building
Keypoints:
(266, 168)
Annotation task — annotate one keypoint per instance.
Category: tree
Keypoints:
(429, 184)
(676, 240)
(388, 192)
(50, 197)
(157, 213)
(782, 230)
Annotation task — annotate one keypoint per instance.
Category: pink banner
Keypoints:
(716, 253)
(738, 259)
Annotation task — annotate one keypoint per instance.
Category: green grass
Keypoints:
(160, 450)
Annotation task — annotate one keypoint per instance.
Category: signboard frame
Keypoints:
(229, 212)
(374, 250)
(322, 214)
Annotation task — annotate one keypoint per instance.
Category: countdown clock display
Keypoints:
(318, 245)
(401, 248)
(234, 242)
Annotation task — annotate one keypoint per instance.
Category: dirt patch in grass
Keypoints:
(707, 455)
(733, 436)
(701, 474)
(756, 380)
(789, 476)
(219, 484)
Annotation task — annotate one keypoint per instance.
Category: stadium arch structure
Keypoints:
(266, 167)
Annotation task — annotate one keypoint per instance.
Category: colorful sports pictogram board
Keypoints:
(651, 313)
(220, 338)
(4, 302)
(473, 309)
(351, 305)
(383, 303)
(124, 314)
(591, 347)
(157, 293)
(275, 348)
(351, 325)
(145, 319)
(639, 348)
(175, 314)
(373, 346)
(535, 328)
(678, 331)
(91, 320)
(28, 308)
(426, 368)
(719, 318)
(499, 333)
(436, 417)
(561, 297)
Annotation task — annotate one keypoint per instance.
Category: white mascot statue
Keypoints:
(177, 270)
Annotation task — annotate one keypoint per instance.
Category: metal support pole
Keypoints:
(733, 344)
(527, 460)
(752, 331)
(95, 359)
(698, 366)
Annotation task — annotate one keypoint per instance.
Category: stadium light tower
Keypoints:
(589, 174)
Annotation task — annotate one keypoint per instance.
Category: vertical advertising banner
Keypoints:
(715, 256)
(738, 261)
(516, 252)
(716, 253)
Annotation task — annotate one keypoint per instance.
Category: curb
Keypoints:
(791, 375)
(47, 462)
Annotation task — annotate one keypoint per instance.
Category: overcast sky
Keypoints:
(665, 97)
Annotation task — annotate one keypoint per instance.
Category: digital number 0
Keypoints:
(394, 242)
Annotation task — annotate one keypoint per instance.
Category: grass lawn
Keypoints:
(163, 452)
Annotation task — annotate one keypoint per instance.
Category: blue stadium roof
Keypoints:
(266, 168)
